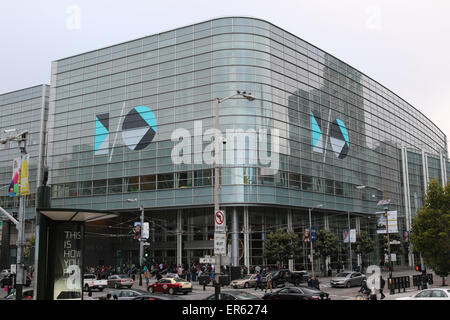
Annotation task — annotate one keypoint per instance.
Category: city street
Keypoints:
(335, 293)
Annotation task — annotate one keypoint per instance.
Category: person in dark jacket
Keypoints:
(317, 283)
(258, 281)
(382, 283)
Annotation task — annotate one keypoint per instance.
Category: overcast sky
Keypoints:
(404, 45)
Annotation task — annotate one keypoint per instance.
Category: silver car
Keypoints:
(347, 279)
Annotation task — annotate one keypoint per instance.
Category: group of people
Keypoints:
(371, 293)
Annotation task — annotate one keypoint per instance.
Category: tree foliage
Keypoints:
(364, 244)
(281, 245)
(326, 244)
(431, 229)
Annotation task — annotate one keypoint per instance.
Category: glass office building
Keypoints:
(25, 109)
(344, 142)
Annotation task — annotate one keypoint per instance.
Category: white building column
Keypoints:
(246, 230)
(358, 230)
(290, 229)
(327, 227)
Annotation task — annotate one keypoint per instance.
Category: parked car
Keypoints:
(347, 279)
(157, 296)
(127, 294)
(171, 286)
(248, 281)
(120, 281)
(430, 294)
(90, 282)
(234, 295)
(297, 293)
(27, 294)
(283, 276)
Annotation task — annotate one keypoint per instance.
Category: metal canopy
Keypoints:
(76, 215)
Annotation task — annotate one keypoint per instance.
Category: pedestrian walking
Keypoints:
(258, 281)
(269, 282)
(317, 283)
(382, 283)
(147, 276)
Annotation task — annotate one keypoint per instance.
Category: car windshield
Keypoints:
(123, 276)
(179, 280)
(342, 275)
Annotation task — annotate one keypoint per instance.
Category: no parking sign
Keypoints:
(219, 221)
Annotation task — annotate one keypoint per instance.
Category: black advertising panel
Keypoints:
(68, 267)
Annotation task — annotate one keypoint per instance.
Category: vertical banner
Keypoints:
(146, 231)
(349, 236)
(137, 230)
(313, 234)
(68, 261)
(24, 182)
(391, 220)
(14, 187)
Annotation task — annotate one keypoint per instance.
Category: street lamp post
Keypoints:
(141, 240)
(310, 239)
(21, 138)
(217, 157)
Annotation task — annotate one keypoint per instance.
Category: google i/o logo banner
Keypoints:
(138, 130)
(337, 133)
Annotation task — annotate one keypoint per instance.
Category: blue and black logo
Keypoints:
(338, 136)
(138, 130)
(101, 145)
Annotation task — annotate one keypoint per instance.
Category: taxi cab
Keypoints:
(170, 285)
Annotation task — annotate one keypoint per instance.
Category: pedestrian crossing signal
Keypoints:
(418, 268)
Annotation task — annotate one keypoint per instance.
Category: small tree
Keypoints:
(364, 245)
(281, 245)
(326, 244)
(431, 229)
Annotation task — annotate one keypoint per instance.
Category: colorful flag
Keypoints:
(14, 187)
(24, 182)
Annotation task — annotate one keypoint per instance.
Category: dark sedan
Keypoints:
(297, 293)
(234, 295)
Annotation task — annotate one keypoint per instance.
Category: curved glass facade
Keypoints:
(113, 112)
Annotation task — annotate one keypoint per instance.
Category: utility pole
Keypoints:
(217, 157)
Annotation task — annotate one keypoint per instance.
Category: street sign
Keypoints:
(219, 221)
(220, 244)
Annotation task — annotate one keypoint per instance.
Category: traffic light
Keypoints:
(418, 268)
(146, 252)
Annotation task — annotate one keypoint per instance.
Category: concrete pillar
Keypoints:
(235, 238)
(246, 239)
